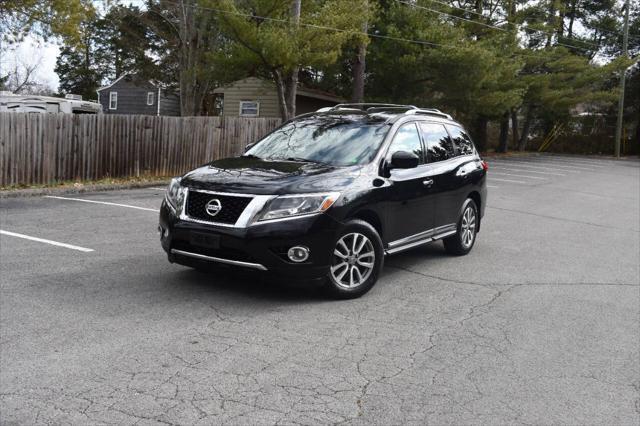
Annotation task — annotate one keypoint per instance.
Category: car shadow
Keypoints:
(252, 285)
(423, 255)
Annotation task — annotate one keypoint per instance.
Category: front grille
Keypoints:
(232, 207)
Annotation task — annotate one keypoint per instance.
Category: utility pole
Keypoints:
(625, 47)
(359, 65)
(291, 80)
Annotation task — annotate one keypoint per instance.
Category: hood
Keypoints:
(263, 177)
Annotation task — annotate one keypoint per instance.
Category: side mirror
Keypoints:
(404, 160)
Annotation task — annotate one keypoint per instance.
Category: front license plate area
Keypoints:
(201, 239)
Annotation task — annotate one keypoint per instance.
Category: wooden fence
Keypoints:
(47, 148)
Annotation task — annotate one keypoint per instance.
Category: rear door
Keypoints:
(469, 172)
(445, 166)
(410, 205)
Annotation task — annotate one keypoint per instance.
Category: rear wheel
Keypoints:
(357, 260)
(462, 242)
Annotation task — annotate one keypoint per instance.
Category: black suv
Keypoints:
(328, 194)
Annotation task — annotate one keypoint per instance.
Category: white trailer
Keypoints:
(70, 104)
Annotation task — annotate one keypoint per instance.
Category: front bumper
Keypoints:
(261, 247)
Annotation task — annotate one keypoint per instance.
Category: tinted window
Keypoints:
(407, 139)
(461, 140)
(335, 140)
(439, 146)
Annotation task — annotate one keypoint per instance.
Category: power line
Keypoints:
(462, 8)
(309, 25)
(505, 16)
(519, 27)
(417, 6)
(526, 29)
(324, 27)
(618, 33)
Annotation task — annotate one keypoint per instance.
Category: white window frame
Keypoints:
(113, 100)
(257, 103)
(150, 99)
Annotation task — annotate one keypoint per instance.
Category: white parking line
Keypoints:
(42, 240)
(507, 180)
(157, 189)
(594, 163)
(527, 171)
(522, 176)
(102, 202)
(537, 167)
(563, 164)
(552, 164)
(492, 186)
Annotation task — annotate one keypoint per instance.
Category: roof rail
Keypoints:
(429, 111)
(401, 109)
(366, 108)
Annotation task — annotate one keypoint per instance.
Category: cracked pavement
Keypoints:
(540, 324)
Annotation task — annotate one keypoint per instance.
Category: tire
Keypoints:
(463, 241)
(351, 273)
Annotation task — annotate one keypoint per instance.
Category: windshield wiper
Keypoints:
(297, 159)
(251, 156)
(304, 160)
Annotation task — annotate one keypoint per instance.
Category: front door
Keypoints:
(410, 206)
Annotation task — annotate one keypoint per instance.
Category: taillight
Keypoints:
(485, 165)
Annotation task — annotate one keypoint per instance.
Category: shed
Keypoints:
(256, 97)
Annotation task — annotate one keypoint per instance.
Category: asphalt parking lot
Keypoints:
(540, 324)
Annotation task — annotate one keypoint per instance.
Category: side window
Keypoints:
(150, 98)
(113, 100)
(249, 108)
(407, 139)
(439, 146)
(461, 140)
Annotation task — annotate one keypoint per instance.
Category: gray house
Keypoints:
(255, 97)
(130, 94)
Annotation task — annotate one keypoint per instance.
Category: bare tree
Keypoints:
(22, 76)
(192, 33)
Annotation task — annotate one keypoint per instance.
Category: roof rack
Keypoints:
(369, 105)
(368, 108)
(429, 111)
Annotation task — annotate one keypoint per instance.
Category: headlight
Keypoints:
(296, 205)
(174, 193)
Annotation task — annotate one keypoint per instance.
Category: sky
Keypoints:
(32, 51)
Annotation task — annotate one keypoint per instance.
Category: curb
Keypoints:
(80, 188)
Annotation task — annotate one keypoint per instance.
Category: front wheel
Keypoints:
(357, 260)
(462, 242)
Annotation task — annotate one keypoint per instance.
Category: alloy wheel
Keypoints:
(353, 260)
(468, 227)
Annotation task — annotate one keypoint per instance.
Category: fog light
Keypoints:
(164, 233)
(298, 254)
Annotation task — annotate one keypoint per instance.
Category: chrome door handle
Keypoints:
(427, 182)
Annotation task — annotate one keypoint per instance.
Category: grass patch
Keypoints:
(79, 184)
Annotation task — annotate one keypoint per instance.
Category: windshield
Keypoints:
(335, 140)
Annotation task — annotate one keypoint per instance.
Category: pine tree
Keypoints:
(79, 65)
